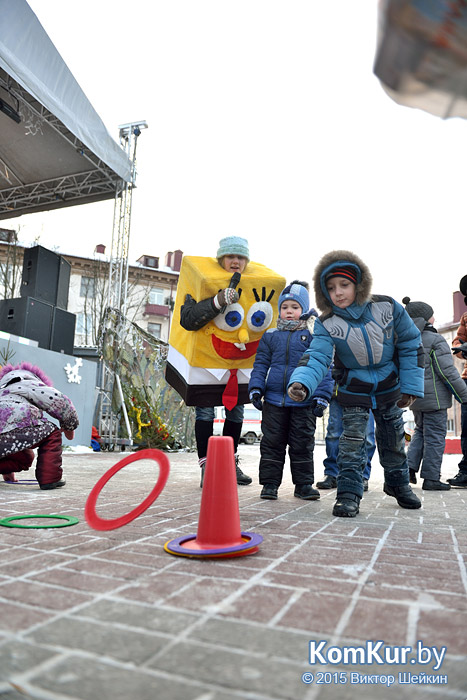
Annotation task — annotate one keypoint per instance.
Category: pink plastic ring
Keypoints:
(98, 523)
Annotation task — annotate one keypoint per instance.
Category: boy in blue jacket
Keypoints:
(284, 422)
(378, 364)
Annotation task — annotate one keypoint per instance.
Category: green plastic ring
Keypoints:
(70, 520)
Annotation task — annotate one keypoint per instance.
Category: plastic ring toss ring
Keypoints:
(68, 520)
(98, 523)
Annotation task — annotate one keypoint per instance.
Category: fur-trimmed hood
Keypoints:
(340, 258)
(21, 372)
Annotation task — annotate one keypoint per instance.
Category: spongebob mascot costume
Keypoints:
(210, 359)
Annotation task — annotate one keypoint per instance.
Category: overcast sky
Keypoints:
(265, 121)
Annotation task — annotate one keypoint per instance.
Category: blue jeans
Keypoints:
(390, 439)
(204, 425)
(333, 433)
(207, 413)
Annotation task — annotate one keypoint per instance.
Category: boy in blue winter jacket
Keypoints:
(378, 365)
(284, 422)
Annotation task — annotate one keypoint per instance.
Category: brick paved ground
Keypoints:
(92, 615)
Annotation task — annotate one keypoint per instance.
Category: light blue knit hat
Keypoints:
(233, 245)
(297, 291)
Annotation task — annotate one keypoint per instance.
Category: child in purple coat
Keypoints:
(25, 394)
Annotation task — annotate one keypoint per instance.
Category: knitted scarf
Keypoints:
(283, 325)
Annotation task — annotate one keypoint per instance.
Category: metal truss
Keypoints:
(109, 423)
(55, 193)
(94, 184)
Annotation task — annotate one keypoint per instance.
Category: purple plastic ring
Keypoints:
(176, 546)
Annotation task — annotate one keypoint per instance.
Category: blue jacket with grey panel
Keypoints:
(374, 344)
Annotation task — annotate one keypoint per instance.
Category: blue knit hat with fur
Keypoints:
(298, 291)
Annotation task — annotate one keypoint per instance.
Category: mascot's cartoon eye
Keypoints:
(231, 319)
(260, 316)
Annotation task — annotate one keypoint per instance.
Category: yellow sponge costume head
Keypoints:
(199, 361)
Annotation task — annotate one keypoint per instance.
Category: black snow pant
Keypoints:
(282, 426)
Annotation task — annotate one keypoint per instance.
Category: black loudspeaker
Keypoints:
(62, 336)
(29, 318)
(46, 276)
(63, 283)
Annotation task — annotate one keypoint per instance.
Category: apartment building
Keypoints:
(152, 285)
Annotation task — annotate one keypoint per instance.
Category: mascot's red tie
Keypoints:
(230, 395)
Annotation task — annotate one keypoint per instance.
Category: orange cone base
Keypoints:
(187, 546)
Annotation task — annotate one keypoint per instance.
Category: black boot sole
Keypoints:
(342, 514)
(54, 485)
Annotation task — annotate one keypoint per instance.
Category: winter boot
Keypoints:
(346, 505)
(412, 476)
(53, 485)
(10, 478)
(202, 465)
(404, 495)
(329, 482)
(242, 479)
(307, 492)
(459, 481)
(269, 492)
(432, 485)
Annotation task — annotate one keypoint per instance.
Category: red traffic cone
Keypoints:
(219, 530)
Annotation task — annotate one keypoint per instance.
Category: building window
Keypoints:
(156, 296)
(450, 425)
(83, 324)
(88, 287)
(155, 329)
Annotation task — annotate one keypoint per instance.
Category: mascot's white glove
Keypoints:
(297, 392)
(226, 297)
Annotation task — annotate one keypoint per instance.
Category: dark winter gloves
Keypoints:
(255, 398)
(297, 392)
(225, 297)
(406, 401)
(318, 407)
(462, 349)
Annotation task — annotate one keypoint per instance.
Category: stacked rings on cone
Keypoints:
(219, 534)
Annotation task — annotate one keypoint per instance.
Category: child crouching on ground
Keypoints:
(285, 422)
(378, 365)
(25, 392)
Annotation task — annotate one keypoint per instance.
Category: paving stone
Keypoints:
(17, 618)
(101, 639)
(18, 657)
(89, 679)
(165, 621)
(42, 596)
(248, 637)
